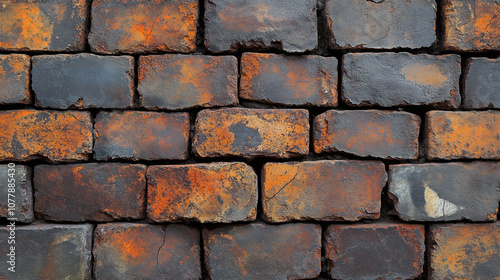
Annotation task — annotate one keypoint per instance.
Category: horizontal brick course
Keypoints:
(482, 83)
(14, 79)
(18, 180)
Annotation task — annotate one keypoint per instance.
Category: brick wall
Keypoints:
(250, 139)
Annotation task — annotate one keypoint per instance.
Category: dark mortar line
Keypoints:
(200, 33)
(322, 29)
(429, 244)
(440, 27)
(461, 79)
(88, 25)
(136, 100)
(324, 261)
(203, 264)
(92, 259)
(386, 203)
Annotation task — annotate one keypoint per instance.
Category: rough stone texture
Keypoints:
(83, 81)
(213, 192)
(288, 25)
(57, 136)
(175, 81)
(251, 133)
(90, 192)
(51, 25)
(289, 80)
(260, 251)
(446, 191)
(379, 24)
(465, 251)
(142, 251)
(382, 134)
(482, 83)
(126, 26)
(471, 25)
(401, 79)
(14, 79)
(23, 196)
(48, 251)
(458, 135)
(141, 135)
(375, 251)
(339, 190)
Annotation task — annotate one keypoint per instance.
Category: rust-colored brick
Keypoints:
(458, 135)
(14, 79)
(141, 135)
(465, 251)
(375, 251)
(51, 25)
(90, 192)
(214, 192)
(471, 25)
(251, 132)
(57, 136)
(289, 80)
(260, 251)
(142, 251)
(22, 197)
(339, 190)
(382, 134)
(131, 26)
(175, 81)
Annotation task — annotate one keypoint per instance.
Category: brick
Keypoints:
(401, 79)
(251, 133)
(289, 80)
(341, 190)
(83, 81)
(175, 81)
(142, 251)
(23, 196)
(471, 25)
(141, 135)
(232, 25)
(48, 251)
(465, 251)
(463, 135)
(14, 79)
(125, 26)
(386, 251)
(482, 83)
(56, 136)
(52, 25)
(381, 134)
(260, 251)
(212, 192)
(90, 192)
(446, 191)
(380, 24)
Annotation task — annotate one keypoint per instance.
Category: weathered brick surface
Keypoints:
(289, 80)
(457, 135)
(482, 83)
(381, 24)
(339, 190)
(231, 25)
(471, 25)
(83, 81)
(126, 26)
(142, 251)
(446, 191)
(46, 251)
(251, 132)
(465, 251)
(382, 134)
(14, 79)
(57, 136)
(213, 192)
(141, 135)
(21, 198)
(401, 79)
(90, 192)
(260, 251)
(176, 81)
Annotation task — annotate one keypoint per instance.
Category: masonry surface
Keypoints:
(250, 139)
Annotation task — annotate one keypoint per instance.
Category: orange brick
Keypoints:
(458, 135)
(57, 136)
(14, 79)
(339, 190)
(215, 192)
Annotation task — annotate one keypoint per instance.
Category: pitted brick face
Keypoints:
(23, 197)
(14, 79)
(482, 83)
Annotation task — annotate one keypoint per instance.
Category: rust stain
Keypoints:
(235, 17)
(425, 75)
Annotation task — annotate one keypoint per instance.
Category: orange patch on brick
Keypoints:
(425, 74)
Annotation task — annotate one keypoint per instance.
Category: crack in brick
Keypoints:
(294, 176)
